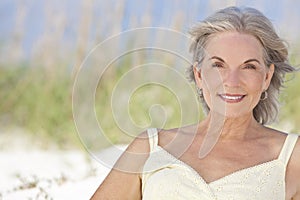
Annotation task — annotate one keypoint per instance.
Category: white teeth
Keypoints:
(232, 97)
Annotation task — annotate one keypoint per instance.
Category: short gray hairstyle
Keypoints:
(250, 21)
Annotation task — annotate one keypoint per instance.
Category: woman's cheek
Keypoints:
(253, 81)
(212, 79)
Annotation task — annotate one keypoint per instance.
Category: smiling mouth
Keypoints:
(231, 98)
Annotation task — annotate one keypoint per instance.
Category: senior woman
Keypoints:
(239, 67)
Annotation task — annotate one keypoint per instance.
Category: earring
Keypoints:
(264, 95)
(200, 93)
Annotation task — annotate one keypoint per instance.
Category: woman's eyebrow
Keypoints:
(218, 58)
(247, 61)
(252, 60)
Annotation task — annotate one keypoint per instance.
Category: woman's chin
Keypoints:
(233, 113)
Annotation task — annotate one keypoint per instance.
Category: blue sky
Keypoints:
(284, 15)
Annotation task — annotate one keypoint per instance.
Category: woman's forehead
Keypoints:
(234, 45)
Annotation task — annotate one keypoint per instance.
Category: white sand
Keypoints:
(51, 174)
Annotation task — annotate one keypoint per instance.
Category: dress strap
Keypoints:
(288, 148)
(153, 138)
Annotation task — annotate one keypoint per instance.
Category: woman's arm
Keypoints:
(297, 174)
(123, 182)
(293, 174)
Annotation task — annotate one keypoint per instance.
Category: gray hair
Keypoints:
(250, 21)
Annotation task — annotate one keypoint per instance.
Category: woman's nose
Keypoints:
(232, 78)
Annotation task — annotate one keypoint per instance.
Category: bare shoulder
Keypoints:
(140, 144)
(296, 153)
(165, 136)
(176, 141)
(123, 181)
(275, 139)
(294, 160)
(293, 171)
(132, 160)
(169, 135)
(279, 138)
(293, 165)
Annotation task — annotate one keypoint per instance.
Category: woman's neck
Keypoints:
(217, 127)
(240, 128)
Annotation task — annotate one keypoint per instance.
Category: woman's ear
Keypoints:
(269, 76)
(197, 74)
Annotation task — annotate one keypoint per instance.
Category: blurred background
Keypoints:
(43, 43)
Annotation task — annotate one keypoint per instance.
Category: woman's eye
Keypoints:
(250, 66)
(218, 65)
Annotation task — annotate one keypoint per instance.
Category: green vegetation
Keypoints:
(289, 115)
(37, 97)
(40, 102)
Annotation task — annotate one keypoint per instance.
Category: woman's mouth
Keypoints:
(232, 98)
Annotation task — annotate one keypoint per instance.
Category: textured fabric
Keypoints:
(166, 177)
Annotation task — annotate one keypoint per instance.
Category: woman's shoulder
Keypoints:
(294, 160)
(141, 144)
(177, 140)
(275, 136)
(291, 158)
(280, 137)
(293, 169)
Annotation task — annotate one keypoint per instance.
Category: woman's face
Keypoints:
(233, 74)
